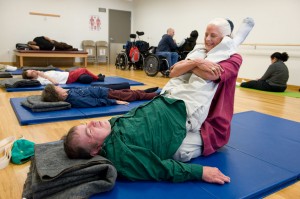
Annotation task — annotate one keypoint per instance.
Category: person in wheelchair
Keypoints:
(167, 47)
(187, 45)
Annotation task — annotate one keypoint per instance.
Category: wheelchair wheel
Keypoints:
(151, 66)
(122, 61)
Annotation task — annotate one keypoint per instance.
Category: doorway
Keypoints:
(118, 31)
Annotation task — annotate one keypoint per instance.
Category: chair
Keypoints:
(90, 48)
(102, 52)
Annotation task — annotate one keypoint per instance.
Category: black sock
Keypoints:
(117, 86)
(151, 90)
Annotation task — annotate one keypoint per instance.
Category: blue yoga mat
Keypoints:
(257, 158)
(108, 80)
(16, 72)
(25, 116)
(20, 71)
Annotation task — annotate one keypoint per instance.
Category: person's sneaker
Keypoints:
(151, 90)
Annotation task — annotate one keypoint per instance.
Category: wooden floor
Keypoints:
(13, 177)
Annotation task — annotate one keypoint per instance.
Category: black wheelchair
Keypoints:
(155, 63)
(124, 59)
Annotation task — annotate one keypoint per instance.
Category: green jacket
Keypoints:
(143, 141)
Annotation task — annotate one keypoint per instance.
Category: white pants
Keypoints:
(191, 146)
(197, 95)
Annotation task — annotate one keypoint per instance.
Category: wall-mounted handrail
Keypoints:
(269, 44)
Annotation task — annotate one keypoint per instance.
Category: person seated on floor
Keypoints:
(45, 43)
(95, 96)
(81, 75)
(275, 78)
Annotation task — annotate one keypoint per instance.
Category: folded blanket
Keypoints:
(35, 103)
(19, 83)
(53, 175)
(5, 75)
(11, 81)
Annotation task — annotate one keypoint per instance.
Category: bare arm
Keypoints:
(182, 67)
(207, 75)
(201, 67)
(34, 47)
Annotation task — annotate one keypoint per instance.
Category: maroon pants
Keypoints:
(130, 95)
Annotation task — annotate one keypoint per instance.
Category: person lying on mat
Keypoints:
(45, 43)
(97, 96)
(139, 146)
(141, 143)
(275, 78)
(81, 75)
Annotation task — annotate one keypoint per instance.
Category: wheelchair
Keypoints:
(124, 59)
(154, 63)
(157, 63)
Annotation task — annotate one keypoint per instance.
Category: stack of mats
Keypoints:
(108, 80)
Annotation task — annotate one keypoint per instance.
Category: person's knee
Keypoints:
(85, 79)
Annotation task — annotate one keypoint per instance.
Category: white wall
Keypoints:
(276, 22)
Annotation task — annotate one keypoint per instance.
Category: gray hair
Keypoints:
(223, 25)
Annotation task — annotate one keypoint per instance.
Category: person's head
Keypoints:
(85, 140)
(30, 74)
(279, 56)
(216, 30)
(53, 93)
(194, 34)
(171, 32)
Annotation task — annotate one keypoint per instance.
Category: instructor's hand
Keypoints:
(214, 175)
(209, 66)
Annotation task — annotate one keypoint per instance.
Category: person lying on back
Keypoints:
(95, 96)
(81, 75)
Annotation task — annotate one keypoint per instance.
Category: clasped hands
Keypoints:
(211, 67)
